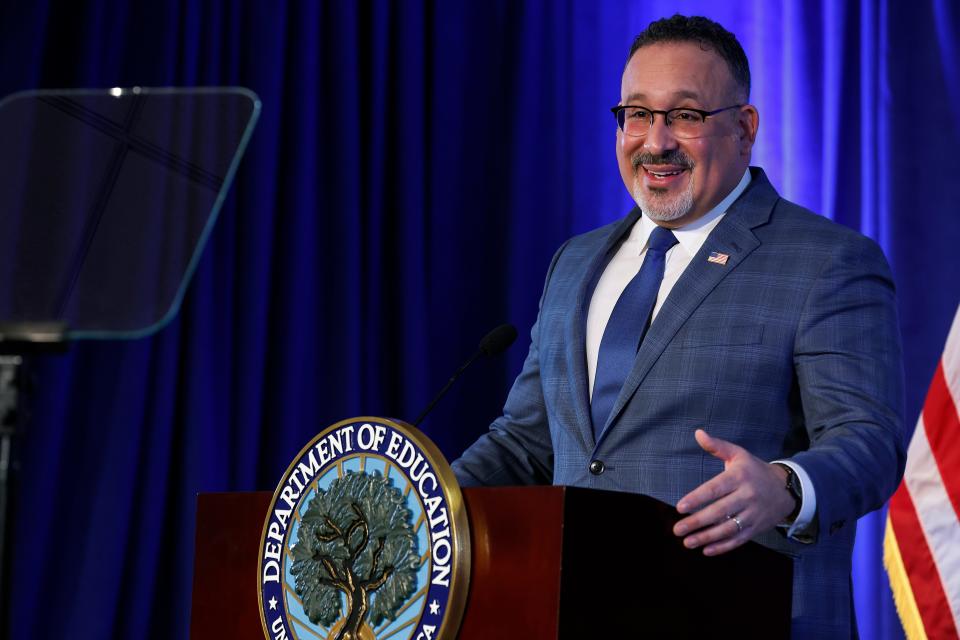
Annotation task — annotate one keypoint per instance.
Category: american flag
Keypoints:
(921, 548)
(718, 258)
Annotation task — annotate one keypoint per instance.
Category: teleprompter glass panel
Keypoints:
(107, 198)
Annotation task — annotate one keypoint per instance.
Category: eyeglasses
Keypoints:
(635, 121)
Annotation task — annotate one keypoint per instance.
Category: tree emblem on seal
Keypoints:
(356, 539)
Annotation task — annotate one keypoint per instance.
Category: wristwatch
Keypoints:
(796, 490)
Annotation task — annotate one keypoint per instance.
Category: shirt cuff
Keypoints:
(808, 504)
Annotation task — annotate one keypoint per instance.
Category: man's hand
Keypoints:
(748, 490)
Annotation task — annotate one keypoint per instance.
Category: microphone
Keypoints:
(497, 341)
(494, 343)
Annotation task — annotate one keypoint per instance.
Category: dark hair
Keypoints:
(706, 33)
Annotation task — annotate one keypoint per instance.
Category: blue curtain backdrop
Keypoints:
(415, 166)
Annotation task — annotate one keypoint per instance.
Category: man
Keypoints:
(765, 396)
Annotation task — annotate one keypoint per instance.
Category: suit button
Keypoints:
(597, 467)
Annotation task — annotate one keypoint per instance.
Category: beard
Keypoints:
(660, 205)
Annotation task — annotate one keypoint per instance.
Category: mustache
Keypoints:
(675, 157)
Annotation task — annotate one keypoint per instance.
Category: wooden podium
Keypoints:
(547, 563)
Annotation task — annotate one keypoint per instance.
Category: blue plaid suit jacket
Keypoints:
(790, 350)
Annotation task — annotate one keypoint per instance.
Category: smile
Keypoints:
(663, 174)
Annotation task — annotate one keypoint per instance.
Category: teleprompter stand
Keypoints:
(547, 563)
(107, 198)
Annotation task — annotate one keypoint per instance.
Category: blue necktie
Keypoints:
(627, 325)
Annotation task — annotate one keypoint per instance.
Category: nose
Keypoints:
(659, 138)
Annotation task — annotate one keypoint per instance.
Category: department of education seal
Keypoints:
(366, 538)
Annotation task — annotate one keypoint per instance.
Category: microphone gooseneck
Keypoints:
(492, 344)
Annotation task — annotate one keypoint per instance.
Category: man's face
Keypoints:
(676, 181)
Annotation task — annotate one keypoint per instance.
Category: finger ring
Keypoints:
(737, 522)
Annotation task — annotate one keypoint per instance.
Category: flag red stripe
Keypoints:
(943, 430)
(920, 567)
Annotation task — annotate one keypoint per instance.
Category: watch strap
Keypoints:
(795, 489)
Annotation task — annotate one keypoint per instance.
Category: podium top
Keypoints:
(107, 198)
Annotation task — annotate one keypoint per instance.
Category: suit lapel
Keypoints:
(732, 236)
(577, 323)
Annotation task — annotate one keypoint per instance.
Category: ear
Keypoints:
(748, 122)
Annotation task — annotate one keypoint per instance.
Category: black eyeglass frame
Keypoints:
(620, 115)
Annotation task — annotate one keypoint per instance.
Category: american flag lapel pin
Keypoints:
(718, 258)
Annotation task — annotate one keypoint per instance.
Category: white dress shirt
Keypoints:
(624, 266)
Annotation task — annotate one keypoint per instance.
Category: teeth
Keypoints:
(669, 173)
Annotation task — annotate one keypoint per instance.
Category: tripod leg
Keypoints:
(9, 379)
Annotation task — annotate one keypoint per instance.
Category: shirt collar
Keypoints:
(690, 236)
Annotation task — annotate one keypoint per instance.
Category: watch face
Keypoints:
(793, 484)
